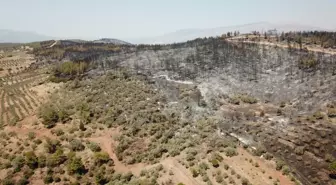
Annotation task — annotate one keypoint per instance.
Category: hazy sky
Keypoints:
(141, 18)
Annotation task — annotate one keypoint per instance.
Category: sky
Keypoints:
(145, 18)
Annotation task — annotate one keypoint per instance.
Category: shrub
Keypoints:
(56, 158)
(31, 135)
(63, 115)
(282, 104)
(48, 179)
(245, 181)
(76, 166)
(101, 158)
(94, 147)
(331, 112)
(217, 156)
(230, 152)
(299, 150)
(127, 176)
(332, 167)
(318, 115)
(18, 163)
(23, 181)
(194, 172)
(203, 166)
(268, 156)
(49, 116)
(31, 160)
(226, 167)
(58, 132)
(285, 170)
(219, 178)
(234, 100)
(52, 145)
(8, 181)
(42, 161)
(76, 145)
(260, 150)
(214, 163)
(279, 165)
(248, 99)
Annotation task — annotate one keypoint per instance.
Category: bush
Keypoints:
(57, 132)
(230, 152)
(203, 166)
(307, 62)
(101, 158)
(75, 166)
(42, 161)
(76, 145)
(318, 115)
(18, 163)
(52, 145)
(285, 170)
(8, 181)
(268, 156)
(299, 150)
(214, 163)
(331, 112)
(56, 158)
(194, 172)
(234, 100)
(219, 178)
(217, 156)
(279, 165)
(226, 167)
(31, 135)
(23, 181)
(248, 99)
(332, 167)
(49, 116)
(94, 147)
(245, 181)
(31, 160)
(48, 179)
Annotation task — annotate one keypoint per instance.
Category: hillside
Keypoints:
(206, 111)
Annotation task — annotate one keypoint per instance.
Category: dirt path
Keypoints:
(52, 45)
(26, 127)
(107, 144)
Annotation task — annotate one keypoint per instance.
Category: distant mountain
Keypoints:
(111, 41)
(189, 34)
(10, 36)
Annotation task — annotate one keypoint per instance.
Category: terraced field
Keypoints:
(14, 62)
(18, 100)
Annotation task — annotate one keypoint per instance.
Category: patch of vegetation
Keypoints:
(307, 62)
(331, 112)
(68, 71)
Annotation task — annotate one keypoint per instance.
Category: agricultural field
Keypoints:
(18, 85)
